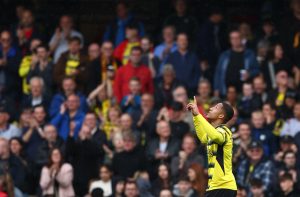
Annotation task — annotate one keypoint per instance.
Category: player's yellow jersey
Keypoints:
(219, 152)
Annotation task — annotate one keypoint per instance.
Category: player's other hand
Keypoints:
(193, 107)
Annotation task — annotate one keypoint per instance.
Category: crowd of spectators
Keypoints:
(109, 118)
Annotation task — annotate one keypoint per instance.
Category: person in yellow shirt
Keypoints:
(218, 138)
(26, 63)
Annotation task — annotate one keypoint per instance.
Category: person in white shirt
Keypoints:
(59, 41)
(7, 130)
(292, 126)
(105, 183)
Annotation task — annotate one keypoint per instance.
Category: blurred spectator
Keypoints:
(262, 49)
(38, 94)
(286, 110)
(26, 30)
(99, 101)
(119, 188)
(27, 61)
(13, 167)
(131, 189)
(277, 95)
(212, 38)
(148, 57)
(10, 57)
(85, 155)
(42, 67)
(184, 188)
(165, 193)
(289, 166)
(8, 130)
(72, 63)
(256, 188)
(106, 182)
(112, 122)
(287, 186)
(291, 126)
(57, 176)
(289, 32)
(232, 96)
(93, 51)
(164, 86)
(59, 41)
(178, 126)
(249, 102)
(163, 180)
(241, 192)
(132, 101)
(186, 157)
(16, 147)
(130, 160)
(143, 182)
(134, 68)
(34, 134)
(286, 144)
(247, 36)
(180, 95)
(168, 46)
(122, 51)
(260, 88)
(97, 135)
(268, 32)
(260, 168)
(204, 98)
(261, 133)
(69, 114)
(241, 144)
(162, 148)
(145, 118)
(197, 177)
(183, 22)
(275, 62)
(68, 87)
(116, 30)
(126, 125)
(185, 63)
(51, 141)
(236, 65)
(102, 68)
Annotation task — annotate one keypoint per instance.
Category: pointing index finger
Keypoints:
(195, 100)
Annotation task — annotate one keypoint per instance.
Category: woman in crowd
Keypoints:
(197, 178)
(164, 180)
(57, 176)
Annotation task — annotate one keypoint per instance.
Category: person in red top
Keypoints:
(122, 51)
(133, 68)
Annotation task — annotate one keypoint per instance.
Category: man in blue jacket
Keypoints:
(185, 63)
(69, 117)
(235, 65)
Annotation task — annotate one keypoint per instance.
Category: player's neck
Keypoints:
(216, 123)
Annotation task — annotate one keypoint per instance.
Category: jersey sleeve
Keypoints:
(205, 130)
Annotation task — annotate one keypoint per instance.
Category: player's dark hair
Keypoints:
(228, 112)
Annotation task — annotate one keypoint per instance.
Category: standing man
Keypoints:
(218, 139)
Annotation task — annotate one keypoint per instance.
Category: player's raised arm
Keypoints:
(203, 128)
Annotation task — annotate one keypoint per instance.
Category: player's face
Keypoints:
(215, 111)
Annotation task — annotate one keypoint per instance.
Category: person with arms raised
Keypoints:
(218, 139)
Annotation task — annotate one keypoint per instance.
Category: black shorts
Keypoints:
(221, 193)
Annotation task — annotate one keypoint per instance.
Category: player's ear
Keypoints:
(221, 116)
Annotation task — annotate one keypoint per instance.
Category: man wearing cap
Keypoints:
(7, 130)
(256, 167)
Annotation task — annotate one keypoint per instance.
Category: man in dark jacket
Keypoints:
(85, 155)
(132, 159)
(162, 148)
